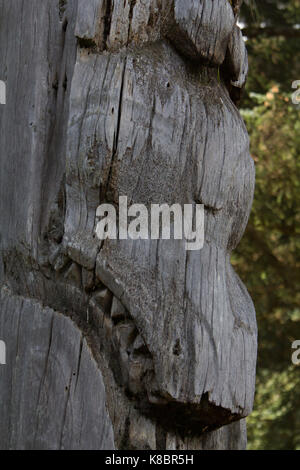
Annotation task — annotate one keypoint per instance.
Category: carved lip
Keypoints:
(95, 300)
(135, 365)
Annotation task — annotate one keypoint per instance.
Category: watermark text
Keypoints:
(161, 222)
(2, 353)
(2, 92)
(296, 354)
(296, 94)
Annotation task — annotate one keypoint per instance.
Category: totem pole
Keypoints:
(122, 343)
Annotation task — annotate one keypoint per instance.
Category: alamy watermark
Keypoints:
(296, 354)
(161, 222)
(2, 353)
(2, 92)
(296, 94)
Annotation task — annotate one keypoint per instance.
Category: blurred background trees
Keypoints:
(268, 258)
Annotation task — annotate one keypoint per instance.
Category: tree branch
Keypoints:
(271, 31)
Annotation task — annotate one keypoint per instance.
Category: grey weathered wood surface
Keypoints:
(107, 99)
(51, 387)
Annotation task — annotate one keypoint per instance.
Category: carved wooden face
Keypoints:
(150, 124)
(145, 113)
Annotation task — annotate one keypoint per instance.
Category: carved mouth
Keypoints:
(133, 367)
(73, 286)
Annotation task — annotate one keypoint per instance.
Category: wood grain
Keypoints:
(106, 99)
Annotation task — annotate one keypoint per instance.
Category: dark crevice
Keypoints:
(87, 43)
(189, 419)
(177, 348)
(132, 5)
(124, 445)
(79, 361)
(208, 208)
(65, 25)
(117, 131)
(161, 438)
(107, 22)
(65, 83)
(62, 5)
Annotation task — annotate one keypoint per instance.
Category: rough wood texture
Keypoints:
(53, 390)
(123, 98)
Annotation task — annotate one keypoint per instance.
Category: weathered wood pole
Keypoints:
(127, 344)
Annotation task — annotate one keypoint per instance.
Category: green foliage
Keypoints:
(274, 423)
(271, 12)
(268, 258)
(273, 57)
